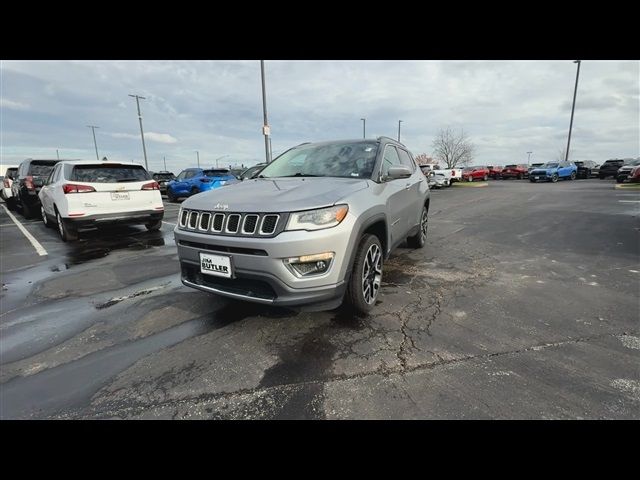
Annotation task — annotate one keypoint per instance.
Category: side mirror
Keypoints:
(399, 171)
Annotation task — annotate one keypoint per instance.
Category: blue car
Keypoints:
(554, 171)
(195, 180)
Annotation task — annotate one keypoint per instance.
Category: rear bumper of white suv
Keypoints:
(89, 222)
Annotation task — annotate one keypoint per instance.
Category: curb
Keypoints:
(470, 184)
(627, 186)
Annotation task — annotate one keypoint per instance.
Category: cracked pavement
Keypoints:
(523, 304)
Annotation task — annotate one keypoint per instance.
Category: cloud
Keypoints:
(160, 137)
(6, 103)
(151, 136)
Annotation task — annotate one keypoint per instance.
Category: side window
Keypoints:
(181, 175)
(52, 175)
(390, 159)
(190, 174)
(405, 160)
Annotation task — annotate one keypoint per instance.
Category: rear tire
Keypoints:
(486, 177)
(45, 219)
(366, 276)
(573, 176)
(170, 196)
(469, 178)
(619, 180)
(601, 177)
(27, 211)
(419, 239)
(520, 176)
(11, 203)
(66, 234)
(154, 226)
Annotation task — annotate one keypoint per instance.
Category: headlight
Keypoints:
(317, 219)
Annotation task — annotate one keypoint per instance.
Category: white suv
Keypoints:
(82, 195)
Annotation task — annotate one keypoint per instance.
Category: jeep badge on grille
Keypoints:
(221, 206)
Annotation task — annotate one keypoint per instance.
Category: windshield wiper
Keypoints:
(301, 175)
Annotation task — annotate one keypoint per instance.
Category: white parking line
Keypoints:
(629, 201)
(169, 223)
(39, 248)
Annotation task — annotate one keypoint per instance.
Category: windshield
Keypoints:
(163, 176)
(550, 165)
(41, 168)
(109, 173)
(347, 160)
(468, 169)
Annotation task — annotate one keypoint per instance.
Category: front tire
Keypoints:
(469, 178)
(366, 277)
(170, 196)
(66, 234)
(154, 226)
(27, 211)
(486, 177)
(195, 191)
(419, 239)
(554, 178)
(11, 203)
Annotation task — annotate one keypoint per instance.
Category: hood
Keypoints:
(277, 194)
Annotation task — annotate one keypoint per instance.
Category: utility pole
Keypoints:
(198, 154)
(575, 90)
(164, 159)
(95, 144)
(529, 158)
(266, 130)
(270, 148)
(364, 127)
(57, 154)
(144, 148)
(399, 122)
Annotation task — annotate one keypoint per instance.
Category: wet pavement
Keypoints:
(523, 304)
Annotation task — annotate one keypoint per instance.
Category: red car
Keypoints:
(634, 176)
(469, 174)
(494, 171)
(515, 171)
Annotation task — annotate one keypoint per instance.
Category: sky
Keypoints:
(507, 108)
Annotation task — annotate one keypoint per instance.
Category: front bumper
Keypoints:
(130, 218)
(259, 272)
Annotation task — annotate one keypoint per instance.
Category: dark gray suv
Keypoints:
(313, 229)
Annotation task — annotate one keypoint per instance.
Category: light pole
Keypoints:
(57, 154)
(198, 155)
(399, 122)
(144, 148)
(529, 158)
(95, 144)
(266, 130)
(575, 90)
(270, 148)
(364, 127)
(164, 159)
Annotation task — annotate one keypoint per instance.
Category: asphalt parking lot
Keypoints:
(523, 304)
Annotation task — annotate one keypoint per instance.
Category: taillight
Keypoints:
(151, 186)
(28, 182)
(75, 188)
(6, 183)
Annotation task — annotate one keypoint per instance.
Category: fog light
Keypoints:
(308, 265)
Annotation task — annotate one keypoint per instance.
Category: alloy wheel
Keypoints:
(372, 274)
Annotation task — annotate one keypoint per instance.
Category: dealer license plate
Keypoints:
(218, 265)
(120, 196)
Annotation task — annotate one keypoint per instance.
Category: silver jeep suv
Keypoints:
(312, 230)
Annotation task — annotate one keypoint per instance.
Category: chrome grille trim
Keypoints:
(244, 223)
(213, 223)
(204, 215)
(229, 217)
(184, 216)
(275, 225)
(192, 225)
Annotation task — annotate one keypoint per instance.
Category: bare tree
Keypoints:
(424, 159)
(453, 148)
(561, 154)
